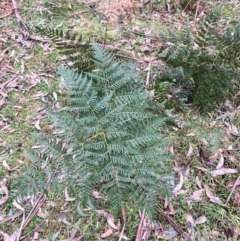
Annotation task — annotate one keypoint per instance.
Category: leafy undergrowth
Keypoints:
(206, 199)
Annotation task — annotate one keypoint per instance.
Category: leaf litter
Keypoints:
(19, 81)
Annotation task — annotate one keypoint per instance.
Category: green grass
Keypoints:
(22, 108)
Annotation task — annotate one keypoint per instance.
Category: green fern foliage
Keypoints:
(203, 65)
(71, 46)
(105, 139)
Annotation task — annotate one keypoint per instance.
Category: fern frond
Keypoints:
(208, 61)
(105, 138)
(71, 46)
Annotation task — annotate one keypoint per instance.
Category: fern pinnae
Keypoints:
(105, 138)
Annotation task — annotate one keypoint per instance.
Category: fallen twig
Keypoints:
(7, 14)
(149, 77)
(140, 227)
(25, 31)
(40, 39)
(178, 229)
(124, 223)
(234, 186)
(10, 218)
(154, 62)
(5, 84)
(34, 210)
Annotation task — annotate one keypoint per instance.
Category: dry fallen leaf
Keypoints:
(63, 218)
(236, 183)
(234, 231)
(72, 236)
(4, 198)
(221, 162)
(234, 130)
(237, 199)
(196, 196)
(10, 218)
(186, 172)
(171, 209)
(213, 158)
(2, 101)
(108, 233)
(5, 164)
(109, 217)
(180, 184)
(168, 234)
(13, 237)
(37, 125)
(202, 219)
(198, 181)
(202, 169)
(212, 198)
(190, 222)
(190, 151)
(223, 171)
(97, 195)
(17, 205)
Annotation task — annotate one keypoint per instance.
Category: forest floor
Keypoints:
(205, 201)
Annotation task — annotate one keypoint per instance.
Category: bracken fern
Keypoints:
(202, 65)
(106, 139)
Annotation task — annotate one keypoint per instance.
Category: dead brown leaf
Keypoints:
(180, 184)
(198, 181)
(202, 169)
(234, 130)
(5, 164)
(171, 210)
(109, 217)
(37, 125)
(190, 222)
(223, 171)
(190, 151)
(2, 101)
(108, 233)
(4, 198)
(13, 237)
(212, 198)
(202, 219)
(72, 236)
(221, 162)
(203, 154)
(213, 158)
(10, 218)
(168, 234)
(97, 195)
(234, 183)
(196, 196)
(17, 205)
(237, 199)
(63, 218)
(234, 231)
